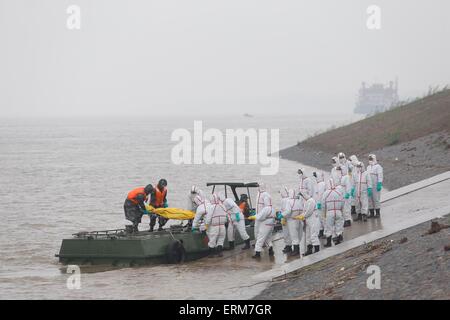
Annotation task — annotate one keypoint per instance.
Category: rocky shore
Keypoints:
(414, 264)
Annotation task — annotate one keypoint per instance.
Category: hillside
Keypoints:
(412, 141)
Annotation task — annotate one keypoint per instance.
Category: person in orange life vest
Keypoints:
(158, 199)
(244, 206)
(134, 205)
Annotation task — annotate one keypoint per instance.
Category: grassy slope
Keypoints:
(414, 120)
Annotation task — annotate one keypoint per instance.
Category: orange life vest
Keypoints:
(132, 195)
(159, 197)
(242, 206)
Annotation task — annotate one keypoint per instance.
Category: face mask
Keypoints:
(370, 162)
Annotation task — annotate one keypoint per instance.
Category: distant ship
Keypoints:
(376, 98)
(248, 115)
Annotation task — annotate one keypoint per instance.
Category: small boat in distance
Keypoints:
(248, 115)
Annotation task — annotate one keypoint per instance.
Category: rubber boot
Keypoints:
(347, 223)
(321, 235)
(257, 255)
(211, 252)
(151, 228)
(328, 244)
(309, 250)
(247, 245)
(160, 228)
(231, 243)
(359, 217)
(371, 213)
(338, 239)
(377, 214)
(287, 249)
(219, 251)
(316, 248)
(353, 210)
(364, 217)
(271, 253)
(296, 251)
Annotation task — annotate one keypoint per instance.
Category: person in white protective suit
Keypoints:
(354, 161)
(196, 197)
(294, 208)
(310, 217)
(344, 163)
(200, 203)
(215, 221)
(336, 172)
(347, 184)
(319, 190)
(305, 183)
(236, 222)
(284, 193)
(332, 204)
(361, 191)
(264, 221)
(376, 174)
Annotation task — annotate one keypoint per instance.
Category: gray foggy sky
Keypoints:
(204, 56)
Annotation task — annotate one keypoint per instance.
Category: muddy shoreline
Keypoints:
(414, 264)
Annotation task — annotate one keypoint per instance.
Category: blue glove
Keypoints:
(238, 217)
(279, 215)
(165, 205)
(319, 206)
(369, 192)
(379, 186)
(193, 230)
(347, 196)
(353, 192)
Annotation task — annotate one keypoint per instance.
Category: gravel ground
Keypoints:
(403, 164)
(413, 264)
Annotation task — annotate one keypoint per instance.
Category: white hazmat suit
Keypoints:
(236, 221)
(376, 174)
(215, 220)
(264, 221)
(332, 204)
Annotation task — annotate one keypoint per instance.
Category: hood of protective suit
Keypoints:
(354, 160)
(221, 196)
(301, 172)
(374, 159)
(344, 159)
(284, 192)
(215, 199)
(262, 187)
(360, 167)
(334, 161)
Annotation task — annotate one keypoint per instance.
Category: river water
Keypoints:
(61, 176)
